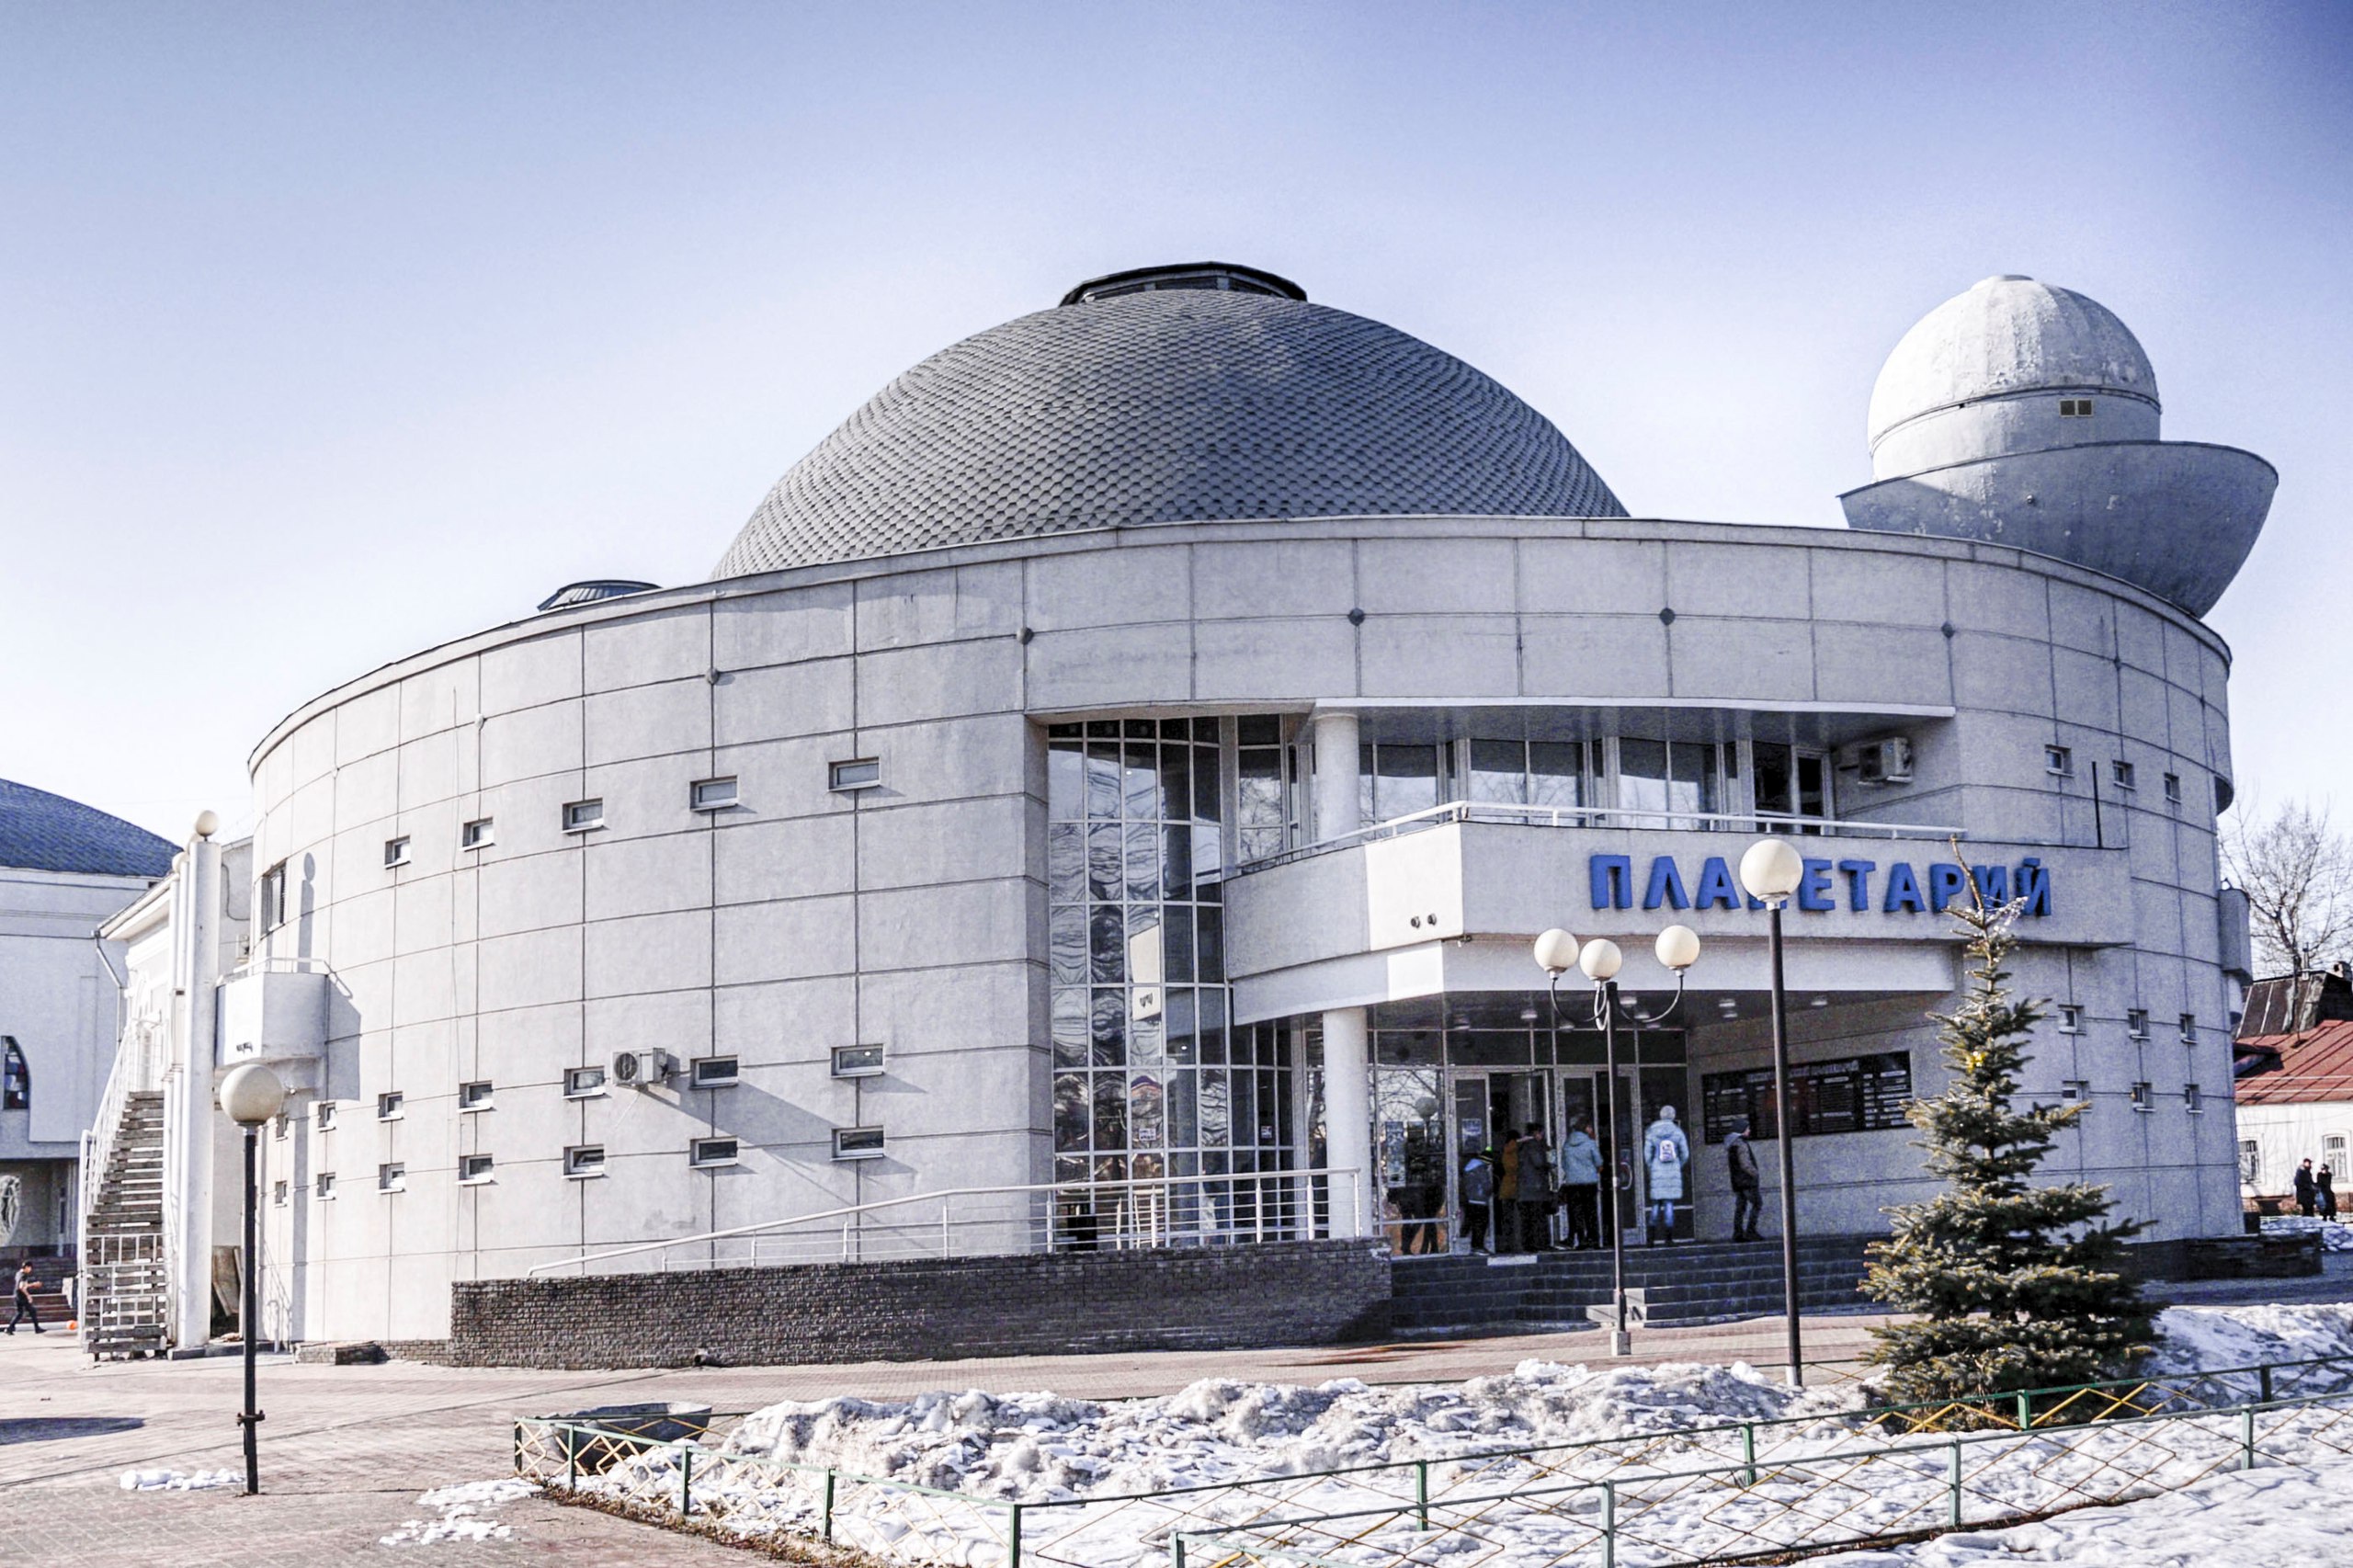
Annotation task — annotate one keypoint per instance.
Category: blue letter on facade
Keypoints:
(2034, 885)
(1717, 890)
(1858, 883)
(1994, 882)
(1613, 881)
(1902, 890)
(1946, 883)
(1666, 884)
(1814, 888)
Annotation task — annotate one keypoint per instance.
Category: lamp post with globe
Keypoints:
(1771, 871)
(1599, 960)
(251, 1094)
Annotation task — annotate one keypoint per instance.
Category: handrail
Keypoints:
(852, 1212)
(1602, 817)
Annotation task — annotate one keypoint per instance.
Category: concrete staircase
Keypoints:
(1693, 1282)
(124, 1305)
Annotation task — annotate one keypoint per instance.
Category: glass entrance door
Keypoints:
(1489, 1110)
(1582, 1093)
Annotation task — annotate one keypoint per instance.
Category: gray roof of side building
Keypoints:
(41, 832)
(1178, 405)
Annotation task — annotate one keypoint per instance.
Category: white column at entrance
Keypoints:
(187, 1096)
(1347, 1119)
(1337, 809)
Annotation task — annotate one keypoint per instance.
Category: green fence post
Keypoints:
(2246, 1438)
(1609, 1524)
(571, 1458)
(686, 1481)
(2263, 1380)
(1956, 1484)
(1176, 1550)
(828, 1517)
(2026, 1411)
(1421, 1494)
(1748, 1452)
(1013, 1549)
(518, 1448)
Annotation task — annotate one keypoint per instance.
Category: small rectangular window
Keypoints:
(2121, 773)
(278, 1191)
(2077, 1091)
(2074, 408)
(2250, 1161)
(389, 1104)
(580, 816)
(859, 773)
(857, 1143)
(2136, 1023)
(393, 1177)
(322, 1116)
(273, 897)
(2144, 1098)
(277, 1126)
(857, 1060)
(474, 1169)
(712, 1151)
(714, 1071)
(395, 852)
(474, 1095)
(2058, 762)
(711, 794)
(2071, 1018)
(579, 1082)
(476, 833)
(2192, 1101)
(324, 1188)
(584, 1160)
(2190, 1028)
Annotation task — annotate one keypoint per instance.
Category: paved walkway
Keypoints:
(348, 1450)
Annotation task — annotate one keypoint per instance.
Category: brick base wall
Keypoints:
(1164, 1299)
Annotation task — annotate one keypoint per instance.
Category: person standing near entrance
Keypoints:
(27, 1283)
(1581, 1186)
(1507, 1194)
(1747, 1199)
(1478, 1194)
(1665, 1152)
(2307, 1190)
(1535, 1190)
(2324, 1192)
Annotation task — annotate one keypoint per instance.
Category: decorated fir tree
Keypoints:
(2015, 1286)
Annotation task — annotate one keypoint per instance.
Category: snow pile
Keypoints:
(2336, 1235)
(2214, 1339)
(172, 1481)
(460, 1516)
(2258, 1518)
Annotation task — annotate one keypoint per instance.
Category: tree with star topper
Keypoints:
(2012, 1286)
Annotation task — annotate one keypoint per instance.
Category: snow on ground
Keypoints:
(2209, 1338)
(2336, 1235)
(2257, 1518)
(172, 1481)
(462, 1518)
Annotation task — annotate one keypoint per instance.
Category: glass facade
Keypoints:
(1151, 1080)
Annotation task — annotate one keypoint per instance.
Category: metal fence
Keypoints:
(1754, 1485)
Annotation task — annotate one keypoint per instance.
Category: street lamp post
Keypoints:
(251, 1094)
(1771, 871)
(1599, 960)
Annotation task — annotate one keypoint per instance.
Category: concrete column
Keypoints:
(1336, 798)
(188, 1098)
(1347, 1119)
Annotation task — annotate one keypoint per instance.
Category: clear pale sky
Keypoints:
(328, 333)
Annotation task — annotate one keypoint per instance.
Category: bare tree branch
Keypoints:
(2297, 874)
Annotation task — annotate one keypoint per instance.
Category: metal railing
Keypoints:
(1606, 817)
(986, 1221)
(1754, 1485)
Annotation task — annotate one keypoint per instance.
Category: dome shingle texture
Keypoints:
(1173, 406)
(41, 832)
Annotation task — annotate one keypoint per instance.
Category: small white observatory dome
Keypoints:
(2011, 364)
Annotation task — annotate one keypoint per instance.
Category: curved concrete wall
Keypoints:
(912, 915)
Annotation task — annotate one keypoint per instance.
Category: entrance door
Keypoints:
(1489, 1110)
(1582, 1093)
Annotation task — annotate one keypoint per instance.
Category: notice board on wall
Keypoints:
(1854, 1093)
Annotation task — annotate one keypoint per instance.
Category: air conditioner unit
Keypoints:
(642, 1069)
(1885, 761)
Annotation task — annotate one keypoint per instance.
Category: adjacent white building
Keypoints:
(1138, 747)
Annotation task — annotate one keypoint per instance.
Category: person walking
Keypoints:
(27, 1282)
(1478, 1197)
(2307, 1190)
(2324, 1192)
(1581, 1186)
(1535, 1190)
(1747, 1197)
(1507, 1194)
(1665, 1152)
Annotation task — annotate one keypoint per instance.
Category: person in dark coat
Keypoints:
(1478, 1197)
(1535, 1190)
(2324, 1192)
(27, 1282)
(1747, 1196)
(2307, 1190)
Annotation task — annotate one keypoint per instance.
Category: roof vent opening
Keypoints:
(593, 589)
(1218, 275)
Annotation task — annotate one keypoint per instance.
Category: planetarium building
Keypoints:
(1127, 763)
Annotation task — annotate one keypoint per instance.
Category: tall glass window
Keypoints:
(1657, 775)
(1791, 783)
(1393, 781)
(1261, 788)
(1151, 1080)
(1527, 773)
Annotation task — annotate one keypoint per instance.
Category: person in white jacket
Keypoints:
(1665, 1154)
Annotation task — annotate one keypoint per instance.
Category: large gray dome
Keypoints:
(1183, 403)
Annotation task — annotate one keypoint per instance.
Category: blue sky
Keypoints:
(328, 333)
